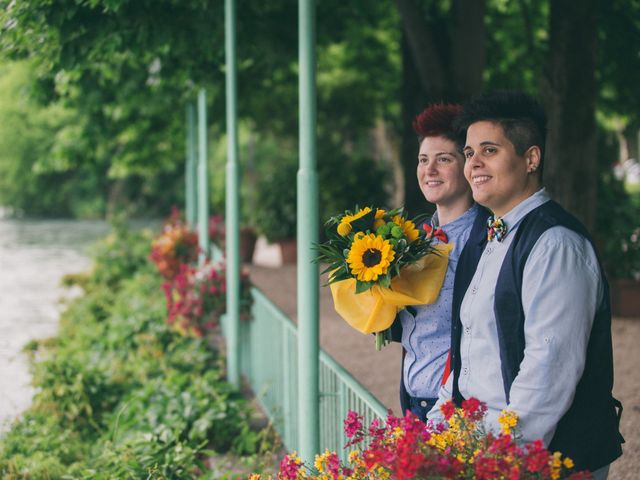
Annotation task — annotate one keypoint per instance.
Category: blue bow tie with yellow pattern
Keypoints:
(496, 229)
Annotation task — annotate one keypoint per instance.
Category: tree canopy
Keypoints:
(123, 71)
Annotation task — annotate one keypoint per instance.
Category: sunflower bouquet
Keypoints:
(379, 262)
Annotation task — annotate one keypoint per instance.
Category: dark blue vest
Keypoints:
(588, 432)
(472, 248)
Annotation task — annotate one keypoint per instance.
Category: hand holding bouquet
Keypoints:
(380, 262)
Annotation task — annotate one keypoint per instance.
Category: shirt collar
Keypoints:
(517, 213)
(459, 223)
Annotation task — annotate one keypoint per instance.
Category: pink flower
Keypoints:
(289, 467)
(352, 424)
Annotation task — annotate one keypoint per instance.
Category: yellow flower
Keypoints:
(408, 228)
(321, 461)
(379, 221)
(344, 227)
(556, 466)
(370, 256)
(568, 463)
(507, 420)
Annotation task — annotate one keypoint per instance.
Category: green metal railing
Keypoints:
(269, 361)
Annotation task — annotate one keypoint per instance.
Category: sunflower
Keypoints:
(370, 257)
(344, 227)
(408, 228)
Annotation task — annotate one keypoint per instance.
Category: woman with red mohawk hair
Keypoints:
(426, 329)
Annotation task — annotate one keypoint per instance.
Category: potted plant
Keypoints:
(248, 237)
(276, 206)
(618, 236)
(623, 255)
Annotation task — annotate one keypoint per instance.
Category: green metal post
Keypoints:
(203, 191)
(308, 346)
(232, 203)
(191, 173)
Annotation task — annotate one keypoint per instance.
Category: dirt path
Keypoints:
(380, 371)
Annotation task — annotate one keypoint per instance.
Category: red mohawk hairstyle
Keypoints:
(437, 121)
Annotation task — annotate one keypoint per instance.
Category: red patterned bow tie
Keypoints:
(436, 232)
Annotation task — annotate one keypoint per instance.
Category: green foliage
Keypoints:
(125, 69)
(120, 255)
(619, 228)
(120, 394)
(29, 163)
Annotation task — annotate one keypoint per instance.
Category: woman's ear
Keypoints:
(532, 156)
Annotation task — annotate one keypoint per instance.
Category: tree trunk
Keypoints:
(468, 49)
(413, 100)
(436, 71)
(570, 92)
(427, 62)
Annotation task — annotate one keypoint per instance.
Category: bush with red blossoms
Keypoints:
(196, 297)
(405, 448)
(176, 245)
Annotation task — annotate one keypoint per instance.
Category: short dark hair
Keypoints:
(437, 120)
(521, 117)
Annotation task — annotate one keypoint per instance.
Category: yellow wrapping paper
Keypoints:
(374, 310)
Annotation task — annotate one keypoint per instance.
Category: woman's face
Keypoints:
(499, 177)
(441, 172)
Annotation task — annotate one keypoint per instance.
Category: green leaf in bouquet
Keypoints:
(339, 275)
(393, 212)
(365, 222)
(385, 281)
(419, 220)
(363, 286)
(396, 270)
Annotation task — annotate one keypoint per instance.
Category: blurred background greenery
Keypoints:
(92, 98)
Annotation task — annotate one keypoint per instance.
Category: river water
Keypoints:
(34, 255)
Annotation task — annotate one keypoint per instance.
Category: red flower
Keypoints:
(448, 409)
(537, 459)
(474, 408)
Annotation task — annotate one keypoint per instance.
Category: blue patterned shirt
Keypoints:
(426, 337)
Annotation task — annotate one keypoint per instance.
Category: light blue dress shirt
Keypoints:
(426, 337)
(561, 289)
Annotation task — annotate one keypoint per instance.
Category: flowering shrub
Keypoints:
(196, 297)
(404, 448)
(177, 244)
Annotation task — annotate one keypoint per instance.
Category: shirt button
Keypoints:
(474, 289)
(489, 250)
(467, 330)
(465, 370)
(423, 403)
